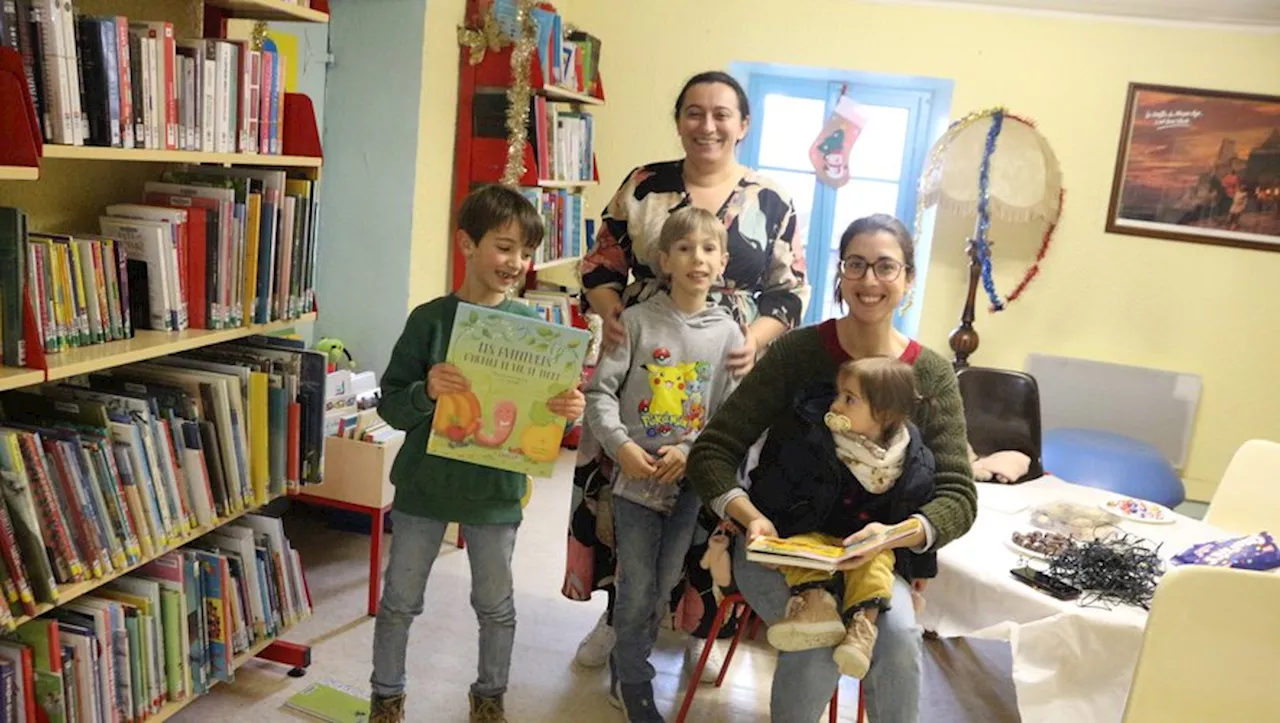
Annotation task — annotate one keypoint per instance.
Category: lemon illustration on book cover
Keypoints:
(514, 365)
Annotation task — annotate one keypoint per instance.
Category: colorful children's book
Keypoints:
(800, 553)
(331, 702)
(514, 364)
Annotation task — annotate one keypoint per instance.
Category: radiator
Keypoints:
(1152, 405)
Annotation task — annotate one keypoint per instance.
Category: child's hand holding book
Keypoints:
(445, 378)
(569, 404)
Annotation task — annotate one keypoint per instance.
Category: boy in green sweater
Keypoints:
(498, 231)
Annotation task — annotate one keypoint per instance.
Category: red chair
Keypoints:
(735, 605)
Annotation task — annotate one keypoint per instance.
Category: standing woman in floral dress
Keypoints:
(763, 286)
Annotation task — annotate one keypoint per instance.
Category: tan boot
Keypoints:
(812, 621)
(853, 655)
(386, 709)
(487, 710)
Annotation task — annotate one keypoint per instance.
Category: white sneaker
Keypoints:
(594, 650)
(715, 661)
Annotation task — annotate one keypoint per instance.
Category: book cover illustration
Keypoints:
(803, 553)
(514, 365)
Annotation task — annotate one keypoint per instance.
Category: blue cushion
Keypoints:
(1112, 462)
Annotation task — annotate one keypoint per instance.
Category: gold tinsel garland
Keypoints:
(488, 37)
(519, 93)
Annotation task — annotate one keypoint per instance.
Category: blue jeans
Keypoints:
(415, 543)
(803, 681)
(651, 547)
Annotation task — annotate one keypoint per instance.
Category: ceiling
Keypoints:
(1263, 15)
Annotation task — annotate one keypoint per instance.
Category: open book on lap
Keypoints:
(801, 553)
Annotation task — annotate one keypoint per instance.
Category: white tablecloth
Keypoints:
(1070, 663)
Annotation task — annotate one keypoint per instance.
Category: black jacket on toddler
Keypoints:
(802, 486)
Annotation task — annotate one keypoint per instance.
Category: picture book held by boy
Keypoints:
(514, 365)
(800, 553)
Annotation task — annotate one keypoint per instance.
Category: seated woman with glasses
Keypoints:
(877, 266)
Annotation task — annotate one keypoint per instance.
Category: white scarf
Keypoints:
(877, 468)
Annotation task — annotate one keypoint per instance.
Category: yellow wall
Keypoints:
(437, 119)
(1179, 306)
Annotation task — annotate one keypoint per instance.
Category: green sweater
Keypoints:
(811, 354)
(426, 485)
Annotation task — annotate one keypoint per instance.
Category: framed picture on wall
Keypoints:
(1198, 165)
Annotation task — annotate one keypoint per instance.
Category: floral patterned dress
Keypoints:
(764, 277)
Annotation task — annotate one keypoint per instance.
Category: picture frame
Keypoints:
(1198, 165)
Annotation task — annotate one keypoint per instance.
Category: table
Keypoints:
(1071, 664)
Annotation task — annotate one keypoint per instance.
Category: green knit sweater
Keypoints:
(443, 489)
(812, 354)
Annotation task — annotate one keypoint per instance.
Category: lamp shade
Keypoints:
(1025, 182)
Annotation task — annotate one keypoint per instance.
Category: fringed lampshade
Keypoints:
(992, 164)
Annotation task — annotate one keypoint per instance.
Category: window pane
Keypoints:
(859, 198)
(879, 149)
(854, 200)
(789, 126)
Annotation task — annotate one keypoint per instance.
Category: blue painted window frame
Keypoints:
(928, 101)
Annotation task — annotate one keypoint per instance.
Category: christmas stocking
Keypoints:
(830, 152)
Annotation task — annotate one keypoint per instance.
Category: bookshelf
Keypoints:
(66, 188)
(19, 173)
(71, 591)
(144, 155)
(16, 378)
(147, 344)
(272, 10)
(481, 155)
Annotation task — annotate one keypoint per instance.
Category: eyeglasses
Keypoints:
(885, 268)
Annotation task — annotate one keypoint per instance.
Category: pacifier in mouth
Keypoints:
(837, 422)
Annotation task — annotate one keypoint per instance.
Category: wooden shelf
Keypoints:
(567, 184)
(73, 590)
(16, 377)
(148, 344)
(563, 95)
(557, 262)
(270, 10)
(19, 173)
(99, 153)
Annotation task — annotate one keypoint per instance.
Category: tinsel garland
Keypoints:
(519, 92)
(934, 166)
(980, 243)
(489, 37)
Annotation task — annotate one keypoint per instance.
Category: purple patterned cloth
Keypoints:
(1254, 552)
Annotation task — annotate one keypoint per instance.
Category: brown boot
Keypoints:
(487, 710)
(386, 709)
(812, 621)
(853, 656)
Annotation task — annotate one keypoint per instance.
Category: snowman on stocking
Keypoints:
(830, 152)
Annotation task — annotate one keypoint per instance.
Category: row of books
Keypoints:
(109, 472)
(556, 307)
(208, 248)
(162, 634)
(569, 60)
(127, 83)
(563, 142)
(567, 235)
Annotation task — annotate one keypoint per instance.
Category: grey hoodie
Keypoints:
(661, 386)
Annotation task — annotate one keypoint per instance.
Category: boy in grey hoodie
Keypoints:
(648, 400)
